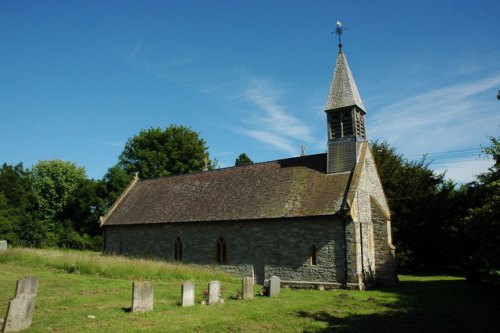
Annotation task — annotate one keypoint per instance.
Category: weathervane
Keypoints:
(338, 31)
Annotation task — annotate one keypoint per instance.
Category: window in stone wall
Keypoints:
(312, 256)
(178, 249)
(221, 251)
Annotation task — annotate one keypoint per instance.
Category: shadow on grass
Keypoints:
(422, 306)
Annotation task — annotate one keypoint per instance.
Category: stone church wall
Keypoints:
(369, 251)
(281, 247)
(384, 250)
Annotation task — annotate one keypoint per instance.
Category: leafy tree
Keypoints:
(481, 233)
(423, 208)
(115, 181)
(54, 182)
(84, 207)
(159, 153)
(15, 184)
(243, 159)
(16, 206)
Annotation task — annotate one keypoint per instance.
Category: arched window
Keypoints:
(221, 251)
(178, 249)
(312, 256)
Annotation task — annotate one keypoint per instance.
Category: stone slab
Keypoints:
(21, 308)
(20, 313)
(274, 286)
(187, 292)
(247, 288)
(3, 245)
(213, 292)
(27, 285)
(142, 296)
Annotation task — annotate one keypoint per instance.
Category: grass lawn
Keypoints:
(76, 285)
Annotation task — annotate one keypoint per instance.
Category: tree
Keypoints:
(160, 153)
(481, 234)
(423, 208)
(54, 182)
(17, 206)
(243, 159)
(115, 181)
(80, 216)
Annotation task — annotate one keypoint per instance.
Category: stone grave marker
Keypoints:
(247, 287)
(187, 292)
(142, 296)
(213, 292)
(274, 286)
(3, 245)
(21, 308)
(27, 285)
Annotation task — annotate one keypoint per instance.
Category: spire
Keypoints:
(343, 90)
(345, 116)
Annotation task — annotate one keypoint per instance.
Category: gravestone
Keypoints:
(213, 292)
(274, 286)
(247, 287)
(27, 285)
(21, 308)
(187, 292)
(142, 296)
(3, 245)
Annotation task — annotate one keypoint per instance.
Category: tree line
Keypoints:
(436, 224)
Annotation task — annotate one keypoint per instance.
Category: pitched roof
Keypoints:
(295, 187)
(343, 90)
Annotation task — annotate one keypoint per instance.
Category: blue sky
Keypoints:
(78, 78)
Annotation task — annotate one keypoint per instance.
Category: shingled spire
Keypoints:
(345, 117)
(343, 90)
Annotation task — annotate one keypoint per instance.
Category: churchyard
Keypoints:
(87, 292)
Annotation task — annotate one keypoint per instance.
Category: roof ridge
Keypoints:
(238, 166)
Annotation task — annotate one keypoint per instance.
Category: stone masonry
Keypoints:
(280, 247)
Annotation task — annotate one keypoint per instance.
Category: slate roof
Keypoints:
(343, 90)
(295, 187)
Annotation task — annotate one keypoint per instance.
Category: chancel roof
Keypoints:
(343, 90)
(295, 187)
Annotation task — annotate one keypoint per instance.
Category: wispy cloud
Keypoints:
(442, 119)
(118, 144)
(437, 119)
(464, 171)
(271, 122)
(133, 55)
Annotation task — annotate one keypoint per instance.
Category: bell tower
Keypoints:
(345, 117)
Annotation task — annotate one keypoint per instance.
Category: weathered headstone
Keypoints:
(274, 286)
(142, 296)
(22, 306)
(3, 245)
(213, 292)
(27, 285)
(187, 292)
(247, 287)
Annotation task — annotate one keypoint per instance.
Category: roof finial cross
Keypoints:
(339, 30)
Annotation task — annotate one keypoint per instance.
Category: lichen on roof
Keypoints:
(295, 187)
(343, 89)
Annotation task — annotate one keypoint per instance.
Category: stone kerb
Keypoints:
(3, 245)
(213, 292)
(247, 288)
(187, 292)
(274, 286)
(142, 296)
(21, 308)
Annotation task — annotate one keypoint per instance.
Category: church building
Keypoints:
(314, 221)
